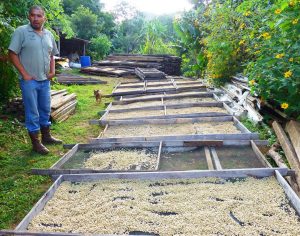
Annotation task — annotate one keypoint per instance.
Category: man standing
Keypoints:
(32, 51)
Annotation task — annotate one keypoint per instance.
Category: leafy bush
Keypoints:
(99, 47)
(275, 72)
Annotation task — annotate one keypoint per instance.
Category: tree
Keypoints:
(154, 36)
(70, 6)
(84, 23)
(128, 34)
(99, 47)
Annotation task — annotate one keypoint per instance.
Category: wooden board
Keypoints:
(293, 129)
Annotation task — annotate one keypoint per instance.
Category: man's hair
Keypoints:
(36, 7)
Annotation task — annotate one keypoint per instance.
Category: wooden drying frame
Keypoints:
(208, 145)
(164, 108)
(21, 229)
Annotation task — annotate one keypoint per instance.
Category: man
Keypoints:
(32, 51)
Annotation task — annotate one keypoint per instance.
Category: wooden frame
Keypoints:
(244, 135)
(242, 173)
(183, 146)
(164, 108)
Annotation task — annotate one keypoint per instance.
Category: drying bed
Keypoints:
(160, 111)
(184, 110)
(159, 89)
(164, 156)
(224, 127)
(160, 102)
(227, 202)
(167, 95)
(198, 128)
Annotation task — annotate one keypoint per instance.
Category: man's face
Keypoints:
(37, 19)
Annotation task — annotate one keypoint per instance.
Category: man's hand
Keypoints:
(27, 77)
(50, 76)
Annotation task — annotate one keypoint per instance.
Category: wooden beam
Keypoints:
(208, 159)
(229, 173)
(293, 129)
(216, 159)
(259, 155)
(288, 150)
(294, 199)
(159, 155)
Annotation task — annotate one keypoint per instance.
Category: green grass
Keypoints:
(19, 189)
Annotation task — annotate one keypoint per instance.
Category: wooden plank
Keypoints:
(65, 157)
(169, 143)
(175, 116)
(238, 173)
(216, 159)
(293, 129)
(159, 155)
(215, 143)
(58, 172)
(178, 137)
(292, 196)
(208, 159)
(240, 125)
(171, 106)
(55, 92)
(63, 100)
(171, 120)
(170, 96)
(66, 110)
(287, 148)
(27, 233)
(38, 207)
(259, 155)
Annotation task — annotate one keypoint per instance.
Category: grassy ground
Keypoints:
(19, 190)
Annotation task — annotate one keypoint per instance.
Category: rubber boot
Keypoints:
(37, 146)
(47, 138)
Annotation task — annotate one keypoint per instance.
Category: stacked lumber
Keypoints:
(75, 79)
(15, 106)
(107, 71)
(149, 74)
(62, 105)
(166, 63)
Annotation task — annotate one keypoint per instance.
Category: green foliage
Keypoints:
(259, 38)
(224, 45)
(99, 47)
(70, 6)
(84, 23)
(189, 29)
(154, 36)
(275, 72)
(264, 131)
(128, 36)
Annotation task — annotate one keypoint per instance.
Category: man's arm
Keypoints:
(52, 68)
(16, 62)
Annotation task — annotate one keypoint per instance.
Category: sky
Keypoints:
(157, 7)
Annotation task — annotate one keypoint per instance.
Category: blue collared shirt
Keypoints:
(34, 50)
